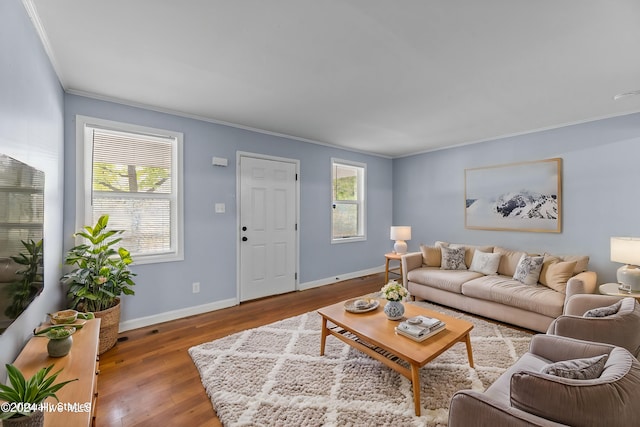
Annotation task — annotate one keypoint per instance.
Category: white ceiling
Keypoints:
(387, 77)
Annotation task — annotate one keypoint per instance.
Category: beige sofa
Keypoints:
(497, 296)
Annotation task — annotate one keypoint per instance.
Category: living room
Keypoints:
(424, 189)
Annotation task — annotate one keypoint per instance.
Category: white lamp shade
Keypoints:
(625, 250)
(400, 233)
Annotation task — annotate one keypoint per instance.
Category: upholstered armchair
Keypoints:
(525, 396)
(621, 329)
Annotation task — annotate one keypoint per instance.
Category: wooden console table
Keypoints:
(77, 399)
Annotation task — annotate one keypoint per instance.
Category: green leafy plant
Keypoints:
(23, 291)
(102, 273)
(31, 392)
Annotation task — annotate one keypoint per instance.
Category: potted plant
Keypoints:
(24, 397)
(60, 340)
(31, 283)
(101, 276)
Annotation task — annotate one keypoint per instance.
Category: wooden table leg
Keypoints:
(469, 351)
(323, 335)
(386, 271)
(415, 382)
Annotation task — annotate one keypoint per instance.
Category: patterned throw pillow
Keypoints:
(609, 310)
(485, 263)
(578, 369)
(452, 259)
(528, 269)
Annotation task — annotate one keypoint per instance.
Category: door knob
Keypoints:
(244, 228)
(244, 238)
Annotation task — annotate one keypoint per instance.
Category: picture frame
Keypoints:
(525, 196)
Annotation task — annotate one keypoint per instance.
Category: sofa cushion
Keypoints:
(578, 369)
(507, 291)
(469, 250)
(453, 258)
(485, 262)
(555, 273)
(448, 280)
(499, 389)
(582, 261)
(431, 255)
(528, 269)
(609, 310)
(508, 260)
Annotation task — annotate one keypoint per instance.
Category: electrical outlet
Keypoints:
(195, 287)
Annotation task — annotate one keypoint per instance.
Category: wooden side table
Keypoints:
(392, 256)
(612, 289)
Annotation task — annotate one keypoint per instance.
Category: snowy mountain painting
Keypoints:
(522, 196)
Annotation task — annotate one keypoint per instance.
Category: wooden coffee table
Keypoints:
(373, 334)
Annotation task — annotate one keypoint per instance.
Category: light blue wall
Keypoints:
(210, 239)
(31, 120)
(600, 189)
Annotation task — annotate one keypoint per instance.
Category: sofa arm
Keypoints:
(556, 348)
(409, 262)
(470, 408)
(581, 283)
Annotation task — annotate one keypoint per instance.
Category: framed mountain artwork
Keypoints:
(524, 196)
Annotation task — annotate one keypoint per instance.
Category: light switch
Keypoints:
(220, 207)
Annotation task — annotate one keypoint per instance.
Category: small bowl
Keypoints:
(63, 317)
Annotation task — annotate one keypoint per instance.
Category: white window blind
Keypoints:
(348, 206)
(133, 178)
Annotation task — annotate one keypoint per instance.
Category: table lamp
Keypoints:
(400, 234)
(627, 251)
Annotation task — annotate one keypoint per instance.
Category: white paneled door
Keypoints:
(268, 206)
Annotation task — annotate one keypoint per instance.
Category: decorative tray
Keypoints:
(361, 305)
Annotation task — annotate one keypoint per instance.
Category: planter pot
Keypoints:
(109, 324)
(394, 310)
(59, 347)
(36, 419)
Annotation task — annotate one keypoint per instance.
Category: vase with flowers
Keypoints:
(394, 293)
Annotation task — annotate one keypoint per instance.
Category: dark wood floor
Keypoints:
(149, 379)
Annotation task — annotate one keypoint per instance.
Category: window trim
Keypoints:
(362, 197)
(84, 163)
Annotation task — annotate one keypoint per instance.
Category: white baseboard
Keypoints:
(339, 278)
(175, 314)
(141, 322)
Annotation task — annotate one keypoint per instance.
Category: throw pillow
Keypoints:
(485, 263)
(582, 261)
(578, 369)
(508, 261)
(431, 255)
(528, 269)
(452, 259)
(556, 274)
(469, 251)
(609, 310)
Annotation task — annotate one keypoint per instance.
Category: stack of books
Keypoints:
(420, 328)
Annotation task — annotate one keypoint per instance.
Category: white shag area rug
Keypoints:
(274, 376)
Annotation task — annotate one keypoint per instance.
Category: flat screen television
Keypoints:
(21, 237)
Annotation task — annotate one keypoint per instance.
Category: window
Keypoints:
(348, 207)
(134, 175)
